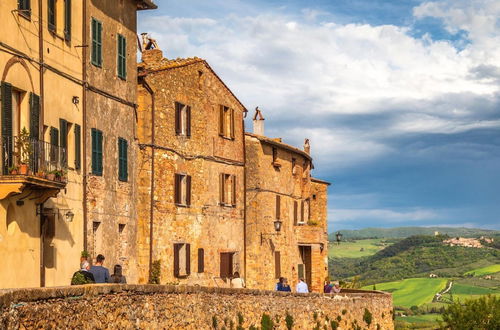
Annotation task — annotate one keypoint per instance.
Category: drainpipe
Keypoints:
(244, 203)
(84, 125)
(152, 184)
(42, 107)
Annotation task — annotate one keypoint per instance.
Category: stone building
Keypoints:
(110, 70)
(191, 195)
(41, 216)
(286, 213)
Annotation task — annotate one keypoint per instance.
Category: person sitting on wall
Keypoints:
(280, 282)
(237, 282)
(83, 276)
(283, 285)
(117, 276)
(328, 287)
(302, 287)
(336, 288)
(101, 274)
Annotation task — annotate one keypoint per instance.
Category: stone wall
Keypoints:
(182, 307)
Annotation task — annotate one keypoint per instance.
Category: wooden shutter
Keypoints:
(63, 127)
(7, 142)
(122, 159)
(278, 207)
(99, 152)
(301, 211)
(78, 143)
(221, 120)
(201, 260)
(94, 150)
(177, 248)
(231, 124)
(67, 20)
(94, 42)
(99, 43)
(34, 116)
(221, 189)
(295, 212)
(233, 195)
(277, 264)
(178, 109)
(177, 188)
(188, 121)
(51, 15)
(121, 56)
(188, 190)
(54, 136)
(308, 209)
(188, 259)
(25, 6)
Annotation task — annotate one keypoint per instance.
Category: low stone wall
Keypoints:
(183, 307)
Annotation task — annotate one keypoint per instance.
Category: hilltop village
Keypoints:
(149, 164)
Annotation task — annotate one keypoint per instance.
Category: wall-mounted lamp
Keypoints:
(277, 227)
(69, 216)
(75, 100)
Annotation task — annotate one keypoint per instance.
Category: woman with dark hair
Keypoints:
(237, 282)
(117, 276)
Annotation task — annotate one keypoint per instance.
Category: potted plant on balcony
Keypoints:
(51, 176)
(59, 175)
(23, 151)
(13, 170)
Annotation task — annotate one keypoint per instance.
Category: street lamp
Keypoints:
(277, 227)
(339, 237)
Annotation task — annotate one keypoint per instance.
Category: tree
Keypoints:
(480, 314)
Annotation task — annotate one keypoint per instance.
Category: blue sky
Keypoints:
(400, 99)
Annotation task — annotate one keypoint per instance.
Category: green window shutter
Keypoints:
(34, 116)
(122, 57)
(7, 143)
(51, 15)
(78, 147)
(96, 152)
(54, 136)
(67, 20)
(122, 159)
(63, 127)
(96, 42)
(25, 6)
(99, 152)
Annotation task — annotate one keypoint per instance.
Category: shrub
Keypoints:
(289, 321)
(367, 317)
(480, 314)
(155, 275)
(266, 322)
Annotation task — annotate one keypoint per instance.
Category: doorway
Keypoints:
(226, 265)
(305, 266)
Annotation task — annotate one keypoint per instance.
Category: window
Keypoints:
(227, 190)
(295, 212)
(307, 210)
(67, 19)
(63, 128)
(96, 151)
(24, 7)
(226, 265)
(7, 123)
(51, 15)
(277, 264)
(122, 57)
(226, 122)
(78, 147)
(278, 207)
(182, 119)
(54, 143)
(276, 163)
(201, 260)
(294, 163)
(96, 56)
(122, 159)
(182, 190)
(182, 260)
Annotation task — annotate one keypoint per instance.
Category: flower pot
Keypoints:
(51, 176)
(13, 172)
(23, 169)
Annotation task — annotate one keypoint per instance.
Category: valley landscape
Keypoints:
(423, 268)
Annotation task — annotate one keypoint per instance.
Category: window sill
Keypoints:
(227, 205)
(300, 224)
(227, 137)
(184, 136)
(123, 180)
(96, 174)
(25, 15)
(96, 65)
(276, 164)
(122, 78)
(182, 205)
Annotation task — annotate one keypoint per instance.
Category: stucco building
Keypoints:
(190, 172)
(286, 213)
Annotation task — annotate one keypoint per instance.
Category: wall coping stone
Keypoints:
(16, 296)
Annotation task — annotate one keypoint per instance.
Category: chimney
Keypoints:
(307, 146)
(258, 122)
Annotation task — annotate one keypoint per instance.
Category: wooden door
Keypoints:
(226, 265)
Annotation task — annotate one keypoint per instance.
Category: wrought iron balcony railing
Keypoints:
(22, 155)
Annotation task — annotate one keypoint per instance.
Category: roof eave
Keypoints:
(146, 5)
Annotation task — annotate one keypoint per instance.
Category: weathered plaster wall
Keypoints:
(181, 307)
(204, 156)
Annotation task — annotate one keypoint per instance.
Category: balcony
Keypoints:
(29, 164)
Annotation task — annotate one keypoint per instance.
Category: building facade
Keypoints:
(41, 215)
(190, 173)
(110, 131)
(286, 214)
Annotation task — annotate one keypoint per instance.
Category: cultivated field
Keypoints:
(357, 249)
(485, 270)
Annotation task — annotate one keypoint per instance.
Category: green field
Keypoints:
(357, 249)
(420, 318)
(485, 270)
(412, 291)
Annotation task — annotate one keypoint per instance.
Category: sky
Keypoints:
(400, 99)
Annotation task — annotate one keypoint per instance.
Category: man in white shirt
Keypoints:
(302, 286)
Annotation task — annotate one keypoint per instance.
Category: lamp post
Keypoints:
(339, 237)
(277, 227)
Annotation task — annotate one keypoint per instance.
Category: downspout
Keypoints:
(244, 202)
(152, 184)
(42, 98)
(84, 125)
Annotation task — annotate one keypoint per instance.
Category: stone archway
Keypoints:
(11, 62)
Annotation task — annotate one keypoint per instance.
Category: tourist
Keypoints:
(328, 287)
(336, 288)
(280, 282)
(83, 276)
(101, 274)
(117, 276)
(302, 287)
(283, 285)
(237, 282)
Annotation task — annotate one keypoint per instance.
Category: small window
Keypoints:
(78, 146)
(201, 260)
(307, 210)
(182, 190)
(24, 8)
(54, 145)
(182, 119)
(122, 159)
(227, 190)
(276, 162)
(96, 56)
(96, 151)
(278, 207)
(51, 15)
(63, 129)
(294, 163)
(67, 20)
(226, 122)
(277, 264)
(295, 212)
(182, 260)
(122, 57)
